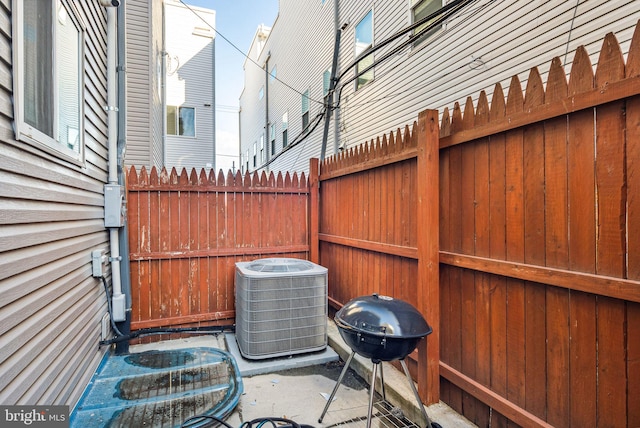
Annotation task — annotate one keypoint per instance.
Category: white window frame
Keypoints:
(177, 121)
(362, 55)
(63, 13)
(305, 109)
(272, 138)
(255, 154)
(285, 129)
(415, 4)
(326, 81)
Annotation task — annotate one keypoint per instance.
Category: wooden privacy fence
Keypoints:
(514, 228)
(186, 232)
(540, 248)
(378, 227)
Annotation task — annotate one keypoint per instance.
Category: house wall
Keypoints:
(251, 103)
(488, 42)
(51, 218)
(190, 82)
(145, 117)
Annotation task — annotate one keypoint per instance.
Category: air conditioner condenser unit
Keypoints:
(281, 307)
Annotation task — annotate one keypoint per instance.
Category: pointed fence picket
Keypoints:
(187, 231)
(513, 226)
(539, 240)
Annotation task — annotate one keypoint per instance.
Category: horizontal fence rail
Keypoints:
(187, 231)
(513, 227)
(384, 240)
(540, 265)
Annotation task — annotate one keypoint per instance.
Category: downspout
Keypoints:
(125, 271)
(114, 195)
(336, 111)
(332, 85)
(329, 97)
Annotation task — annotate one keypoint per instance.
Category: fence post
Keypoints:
(428, 253)
(314, 214)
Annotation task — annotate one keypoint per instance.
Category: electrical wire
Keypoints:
(445, 10)
(110, 308)
(166, 330)
(200, 419)
(245, 55)
(302, 136)
(442, 16)
(471, 14)
(573, 20)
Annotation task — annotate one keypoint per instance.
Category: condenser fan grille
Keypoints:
(281, 309)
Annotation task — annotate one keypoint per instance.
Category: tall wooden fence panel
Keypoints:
(378, 228)
(539, 248)
(187, 231)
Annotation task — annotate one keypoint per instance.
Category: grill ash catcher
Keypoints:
(382, 329)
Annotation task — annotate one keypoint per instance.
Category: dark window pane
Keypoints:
(38, 65)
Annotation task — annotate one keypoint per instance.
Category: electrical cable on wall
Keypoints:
(441, 15)
(467, 16)
(573, 19)
(471, 14)
(302, 136)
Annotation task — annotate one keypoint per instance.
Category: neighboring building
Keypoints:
(170, 85)
(484, 43)
(254, 102)
(54, 164)
(190, 88)
(145, 83)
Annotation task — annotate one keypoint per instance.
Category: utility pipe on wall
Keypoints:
(118, 298)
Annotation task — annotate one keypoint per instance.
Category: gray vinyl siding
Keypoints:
(301, 47)
(156, 80)
(487, 43)
(144, 101)
(51, 218)
(192, 84)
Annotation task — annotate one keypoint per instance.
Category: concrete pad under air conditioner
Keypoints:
(256, 367)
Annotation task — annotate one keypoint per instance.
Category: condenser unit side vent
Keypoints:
(281, 307)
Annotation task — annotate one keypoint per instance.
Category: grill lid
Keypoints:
(382, 316)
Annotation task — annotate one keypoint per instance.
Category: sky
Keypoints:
(237, 21)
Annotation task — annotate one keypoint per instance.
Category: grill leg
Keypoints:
(372, 392)
(335, 388)
(415, 393)
(384, 395)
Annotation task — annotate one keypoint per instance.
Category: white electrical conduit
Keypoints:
(118, 302)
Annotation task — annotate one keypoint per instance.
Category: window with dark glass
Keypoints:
(272, 138)
(305, 109)
(285, 126)
(181, 121)
(48, 52)
(420, 10)
(255, 154)
(364, 43)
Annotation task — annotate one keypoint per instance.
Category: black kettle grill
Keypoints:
(383, 329)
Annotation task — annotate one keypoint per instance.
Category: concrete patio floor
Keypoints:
(298, 387)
